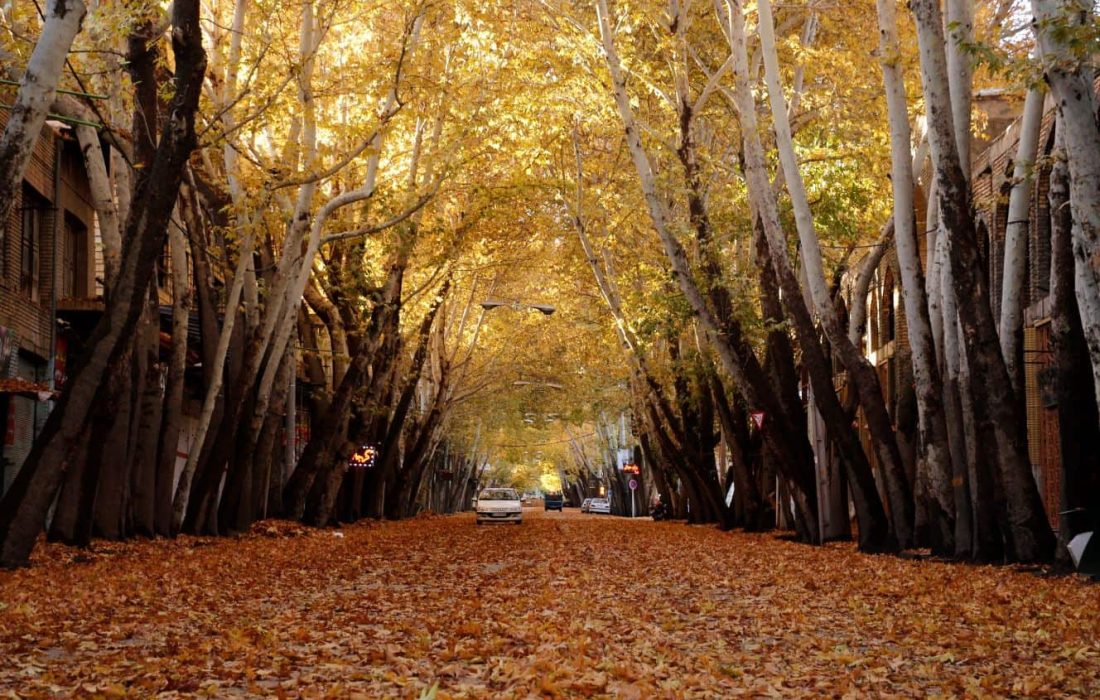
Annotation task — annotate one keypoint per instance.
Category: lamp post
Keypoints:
(549, 385)
(515, 305)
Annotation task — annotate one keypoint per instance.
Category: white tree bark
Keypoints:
(934, 271)
(123, 182)
(763, 203)
(631, 347)
(952, 350)
(813, 266)
(934, 457)
(1072, 88)
(1015, 261)
(959, 18)
(857, 313)
(677, 257)
(308, 44)
(103, 200)
(223, 103)
(298, 280)
(997, 415)
(36, 93)
(183, 487)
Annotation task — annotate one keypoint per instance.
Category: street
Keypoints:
(565, 605)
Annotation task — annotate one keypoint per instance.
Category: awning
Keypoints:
(34, 390)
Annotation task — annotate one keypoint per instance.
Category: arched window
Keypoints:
(872, 319)
(889, 317)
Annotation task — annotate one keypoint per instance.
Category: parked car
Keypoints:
(585, 504)
(499, 506)
(553, 501)
(599, 505)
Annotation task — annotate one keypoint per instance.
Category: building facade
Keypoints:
(885, 340)
(47, 262)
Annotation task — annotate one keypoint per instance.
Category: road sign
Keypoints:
(633, 484)
(758, 419)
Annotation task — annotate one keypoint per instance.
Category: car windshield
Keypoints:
(499, 495)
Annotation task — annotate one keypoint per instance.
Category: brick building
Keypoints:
(886, 336)
(47, 264)
(992, 181)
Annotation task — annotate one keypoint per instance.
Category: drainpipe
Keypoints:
(57, 228)
(291, 419)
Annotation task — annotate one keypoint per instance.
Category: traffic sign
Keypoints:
(758, 419)
(633, 484)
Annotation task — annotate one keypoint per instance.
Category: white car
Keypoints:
(599, 505)
(499, 506)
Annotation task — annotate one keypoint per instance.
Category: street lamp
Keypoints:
(490, 304)
(551, 385)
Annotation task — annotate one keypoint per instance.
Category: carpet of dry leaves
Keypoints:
(562, 606)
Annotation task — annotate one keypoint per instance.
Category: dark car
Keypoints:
(553, 501)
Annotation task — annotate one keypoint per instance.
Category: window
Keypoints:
(30, 241)
(886, 319)
(873, 321)
(74, 271)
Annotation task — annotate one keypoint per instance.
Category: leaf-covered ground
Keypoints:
(565, 605)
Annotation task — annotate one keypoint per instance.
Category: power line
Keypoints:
(552, 442)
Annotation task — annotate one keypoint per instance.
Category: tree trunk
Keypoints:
(112, 480)
(960, 73)
(934, 465)
(734, 352)
(23, 509)
(213, 389)
(1014, 290)
(173, 396)
(269, 477)
(763, 202)
(396, 464)
(874, 527)
(749, 504)
(1079, 436)
(319, 457)
(36, 92)
(107, 215)
(995, 406)
(978, 532)
(64, 526)
(1066, 70)
(150, 403)
(90, 481)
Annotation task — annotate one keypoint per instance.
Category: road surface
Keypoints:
(567, 605)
